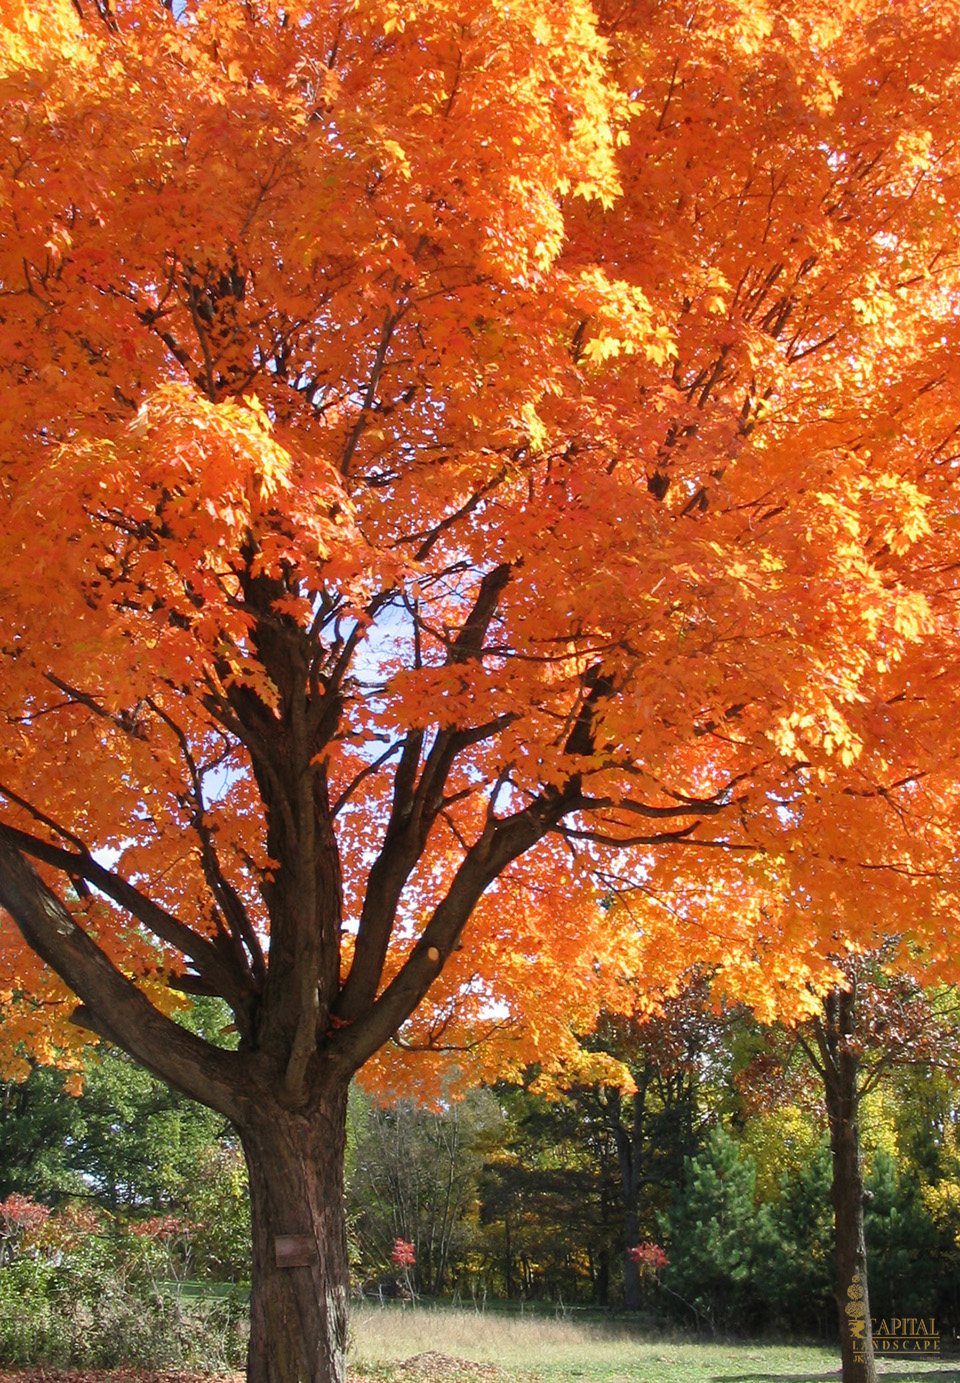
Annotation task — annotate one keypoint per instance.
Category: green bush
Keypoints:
(81, 1296)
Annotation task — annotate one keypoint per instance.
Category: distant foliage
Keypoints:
(80, 1288)
(412, 1187)
(505, 1191)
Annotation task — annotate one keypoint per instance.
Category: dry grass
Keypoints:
(594, 1352)
(390, 1335)
(423, 1345)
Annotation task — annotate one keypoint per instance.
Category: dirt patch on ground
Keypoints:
(433, 1365)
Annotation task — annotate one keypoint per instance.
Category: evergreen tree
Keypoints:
(712, 1234)
(902, 1242)
(794, 1263)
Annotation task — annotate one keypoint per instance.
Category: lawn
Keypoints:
(394, 1344)
(411, 1344)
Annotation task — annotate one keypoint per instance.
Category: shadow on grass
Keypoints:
(942, 1375)
(763, 1376)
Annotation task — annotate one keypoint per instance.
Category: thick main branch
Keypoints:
(122, 1013)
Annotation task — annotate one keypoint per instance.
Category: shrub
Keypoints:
(83, 1294)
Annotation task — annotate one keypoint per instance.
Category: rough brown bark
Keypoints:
(302, 1034)
(113, 1006)
(841, 1072)
(298, 1314)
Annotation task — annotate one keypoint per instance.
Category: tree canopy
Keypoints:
(449, 442)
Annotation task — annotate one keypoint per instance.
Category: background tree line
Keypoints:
(721, 1157)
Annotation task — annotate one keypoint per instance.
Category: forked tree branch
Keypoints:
(202, 954)
(122, 1013)
(416, 806)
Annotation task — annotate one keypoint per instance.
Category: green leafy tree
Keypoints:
(413, 1175)
(902, 1242)
(549, 1196)
(133, 1146)
(129, 1141)
(927, 1127)
(680, 1061)
(216, 1205)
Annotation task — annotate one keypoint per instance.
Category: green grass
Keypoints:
(595, 1352)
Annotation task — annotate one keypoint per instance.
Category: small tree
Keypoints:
(21, 1220)
(902, 1242)
(711, 1233)
(794, 1274)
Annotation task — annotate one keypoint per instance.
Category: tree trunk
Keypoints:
(629, 1156)
(300, 1284)
(846, 1192)
(632, 1298)
(603, 1277)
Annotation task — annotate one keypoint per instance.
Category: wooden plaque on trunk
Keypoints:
(294, 1250)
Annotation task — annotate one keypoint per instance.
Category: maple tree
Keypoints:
(463, 463)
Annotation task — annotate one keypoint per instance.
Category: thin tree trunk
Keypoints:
(631, 1269)
(629, 1156)
(300, 1284)
(603, 1277)
(841, 1067)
